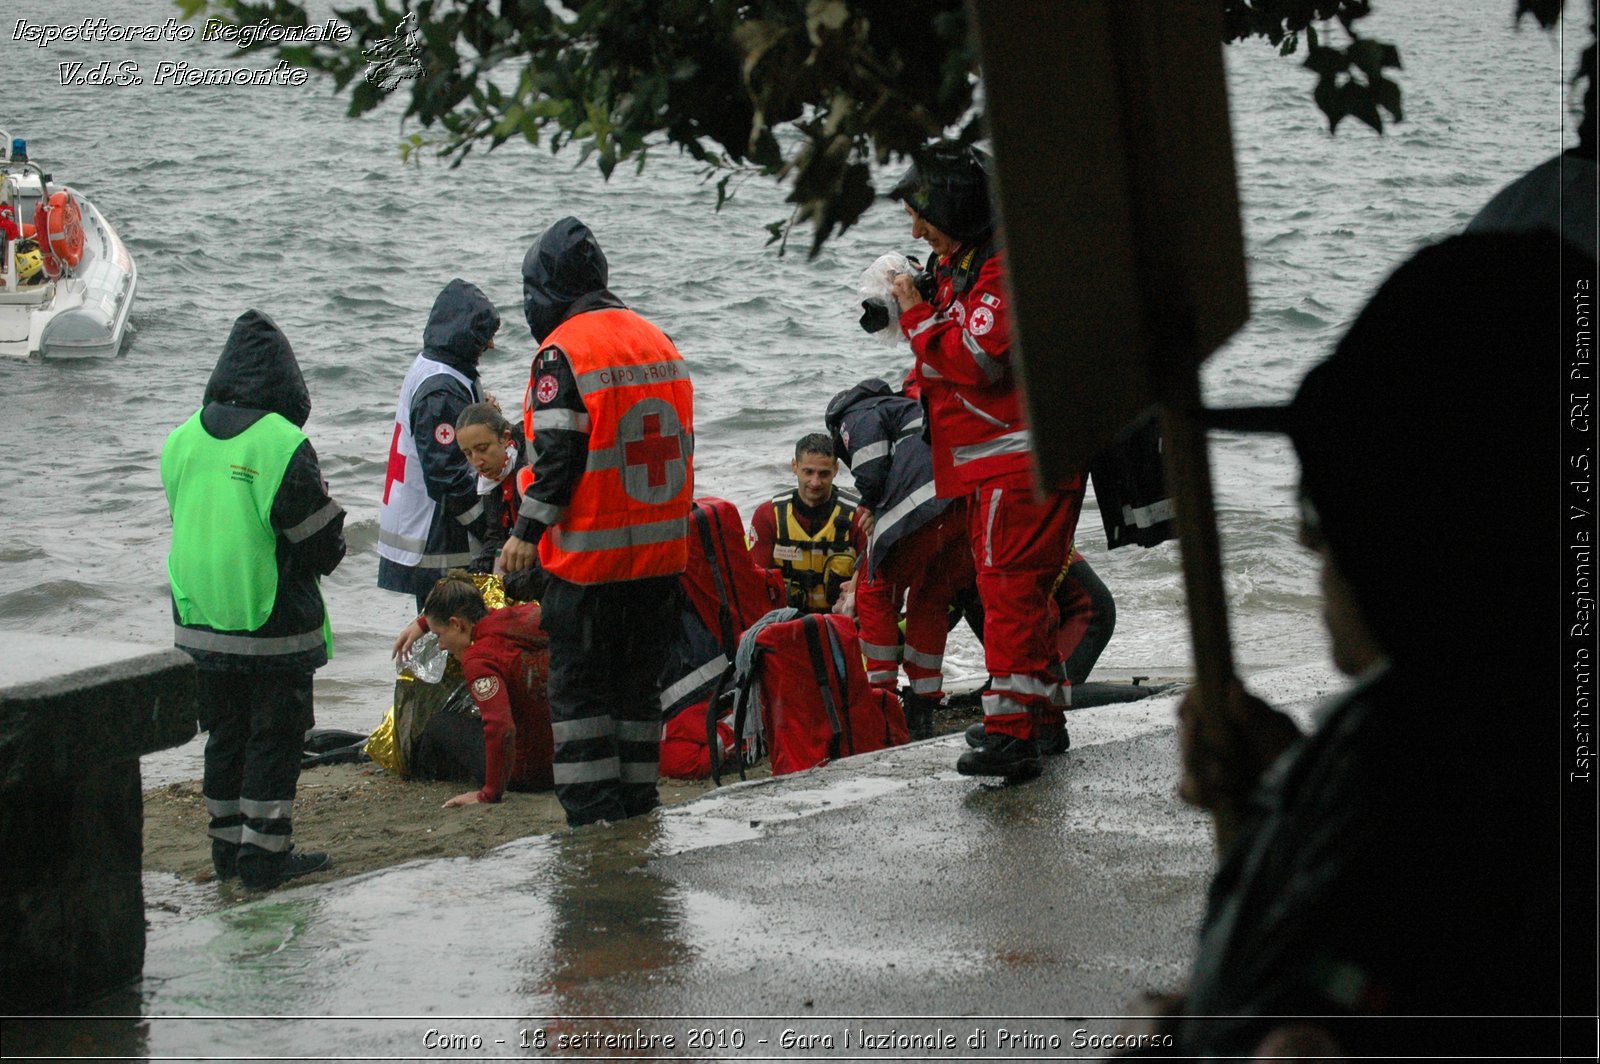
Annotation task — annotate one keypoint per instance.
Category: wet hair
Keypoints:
(455, 595)
(814, 443)
(484, 414)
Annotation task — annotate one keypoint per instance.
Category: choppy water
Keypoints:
(269, 197)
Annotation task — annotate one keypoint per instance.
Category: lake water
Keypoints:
(268, 197)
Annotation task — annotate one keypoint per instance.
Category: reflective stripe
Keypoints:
(692, 682)
(640, 771)
(928, 685)
(931, 373)
(927, 323)
(547, 512)
(281, 809)
(882, 677)
(557, 418)
(1010, 443)
(991, 369)
(572, 731)
(988, 528)
(880, 653)
(219, 808)
(981, 414)
(632, 376)
(247, 645)
(901, 509)
(1148, 516)
(471, 515)
(605, 768)
(231, 833)
(871, 452)
(313, 524)
(1022, 684)
(622, 538)
(1000, 706)
(927, 661)
(638, 731)
(416, 546)
(273, 843)
(912, 427)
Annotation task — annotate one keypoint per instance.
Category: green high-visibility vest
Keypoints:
(223, 565)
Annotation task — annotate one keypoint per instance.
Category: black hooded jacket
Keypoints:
(563, 274)
(258, 375)
(459, 329)
(878, 434)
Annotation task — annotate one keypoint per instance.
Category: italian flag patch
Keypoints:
(993, 301)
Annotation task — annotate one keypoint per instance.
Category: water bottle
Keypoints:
(425, 660)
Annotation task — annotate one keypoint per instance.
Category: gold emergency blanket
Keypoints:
(391, 745)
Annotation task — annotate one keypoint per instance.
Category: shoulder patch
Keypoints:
(485, 688)
(544, 390)
(981, 322)
(445, 434)
(990, 298)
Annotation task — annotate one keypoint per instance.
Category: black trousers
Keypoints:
(257, 723)
(608, 645)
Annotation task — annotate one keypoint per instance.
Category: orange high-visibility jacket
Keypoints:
(628, 518)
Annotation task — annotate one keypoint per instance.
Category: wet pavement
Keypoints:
(881, 907)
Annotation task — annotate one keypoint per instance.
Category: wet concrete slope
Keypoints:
(883, 896)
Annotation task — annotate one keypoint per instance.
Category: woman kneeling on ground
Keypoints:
(505, 657)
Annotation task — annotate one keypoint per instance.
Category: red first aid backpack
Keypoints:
(815, 705)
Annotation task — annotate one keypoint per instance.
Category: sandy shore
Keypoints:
(366, 818)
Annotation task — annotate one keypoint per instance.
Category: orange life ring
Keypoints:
(52, 265)
(65, 228)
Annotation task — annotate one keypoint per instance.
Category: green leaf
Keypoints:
(1326, 62)
(1387, 96)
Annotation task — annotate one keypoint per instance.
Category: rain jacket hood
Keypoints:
(842, 403)
(460, 326)
(257, 369)
(564, 266)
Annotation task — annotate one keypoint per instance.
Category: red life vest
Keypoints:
(628, 518)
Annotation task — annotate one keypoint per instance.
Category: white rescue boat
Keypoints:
(66, 280)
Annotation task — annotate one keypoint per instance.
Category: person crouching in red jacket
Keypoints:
(505, 656)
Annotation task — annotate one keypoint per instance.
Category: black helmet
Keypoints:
(948, 185)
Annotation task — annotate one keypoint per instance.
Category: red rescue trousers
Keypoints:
(927, 568)
(1020, 544)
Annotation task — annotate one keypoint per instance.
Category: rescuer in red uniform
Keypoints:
(981, 452)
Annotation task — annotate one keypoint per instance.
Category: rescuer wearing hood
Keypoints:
(609, 413)
(431, 509)
(918, 550)
(253, 530)
(981, 453)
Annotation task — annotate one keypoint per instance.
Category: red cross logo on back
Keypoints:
(653, 451)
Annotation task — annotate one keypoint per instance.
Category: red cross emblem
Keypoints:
(397, 465)
(653, 451)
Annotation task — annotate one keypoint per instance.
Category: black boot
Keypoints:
(1002, 755)
(919, 713)
(1053, 739)
(262, 869)
(225, 858)
(976, 734)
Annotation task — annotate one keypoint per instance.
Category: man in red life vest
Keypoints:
(609, 413)
(981, 452)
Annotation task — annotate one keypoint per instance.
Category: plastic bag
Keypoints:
(425, 660)
(877, 300)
